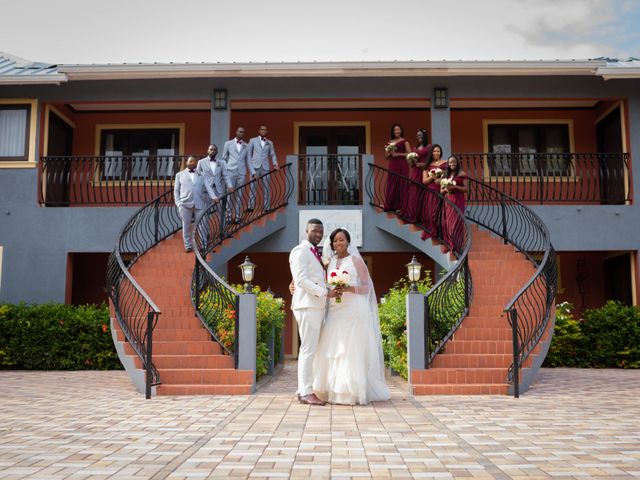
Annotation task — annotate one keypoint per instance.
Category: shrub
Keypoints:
(608, 336)
(270, 317)
(393, 323)
(567, 340)
(611, 336)
(56, 337)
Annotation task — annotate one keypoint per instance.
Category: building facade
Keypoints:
(82, 147)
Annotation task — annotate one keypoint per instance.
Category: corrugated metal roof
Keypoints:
(16, 70)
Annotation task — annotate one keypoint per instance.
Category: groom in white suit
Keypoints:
(309, 305)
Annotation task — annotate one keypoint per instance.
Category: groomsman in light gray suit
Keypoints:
(188, 193)
(216, 180)
(235, 154)
(261, 152)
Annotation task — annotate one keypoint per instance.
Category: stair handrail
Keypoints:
(530, 309)
(212, 297)
(135, 311)
(447, 302)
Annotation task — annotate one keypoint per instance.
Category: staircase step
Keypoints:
(459, 376)
(190, 361)
(468, 389)
(188, 389)
(181, 348)
(462, 360)
(205, 376)
(504, 347)
(468, 333)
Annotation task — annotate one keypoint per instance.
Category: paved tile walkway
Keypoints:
(92, 425)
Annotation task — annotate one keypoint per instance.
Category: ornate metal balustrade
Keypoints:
(105, 180)
(330, 179)
(216, 302)
(530, 310)
(554, 177)
(447, 302)
(134, 310)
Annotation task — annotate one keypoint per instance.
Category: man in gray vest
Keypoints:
(188, 194)
(216, 181)
(261, 152)
(235, 154)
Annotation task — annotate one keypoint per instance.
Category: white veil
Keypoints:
(377, 388)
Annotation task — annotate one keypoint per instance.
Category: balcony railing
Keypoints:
(332, 179)
(106, 180)
(579, 178)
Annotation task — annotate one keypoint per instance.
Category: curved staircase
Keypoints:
(164, 345)
(500, 334)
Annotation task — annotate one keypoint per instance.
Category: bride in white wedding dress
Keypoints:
(349, 363)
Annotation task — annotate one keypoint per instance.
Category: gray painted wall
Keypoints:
(36, 240)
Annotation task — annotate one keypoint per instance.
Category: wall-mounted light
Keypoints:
(220, 99)
(440, 98)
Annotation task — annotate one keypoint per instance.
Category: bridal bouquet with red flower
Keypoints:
(436, 172)
(339, 279)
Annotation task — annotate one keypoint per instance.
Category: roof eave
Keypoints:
(55, 79)
(609, 73)
(329, 69)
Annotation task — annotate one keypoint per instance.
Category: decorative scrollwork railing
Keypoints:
(106, 180)
(554, 177)
(530, 310)
(215, 301)
(447, 302)
(134, 310)
(330, 179)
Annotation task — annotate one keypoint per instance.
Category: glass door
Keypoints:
(330, 165)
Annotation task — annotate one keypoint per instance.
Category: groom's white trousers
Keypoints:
(309, 325)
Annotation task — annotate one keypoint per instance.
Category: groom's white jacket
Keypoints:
(308, 277)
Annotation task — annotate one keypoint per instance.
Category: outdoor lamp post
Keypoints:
(414, 269)
(247, 268)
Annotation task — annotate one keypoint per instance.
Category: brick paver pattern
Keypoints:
(93, 425)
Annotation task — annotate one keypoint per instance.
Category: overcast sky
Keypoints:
(91, 31)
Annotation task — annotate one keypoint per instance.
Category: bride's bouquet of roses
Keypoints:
(339, 279)
(412, 158)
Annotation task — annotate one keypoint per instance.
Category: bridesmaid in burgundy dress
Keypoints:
(413, 207)
(396, 151)
(430, 218)
(451, 222)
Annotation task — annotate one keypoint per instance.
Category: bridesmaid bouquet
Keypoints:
(390, 147)
(436, 172)
(447, 182)
(412, 158)
(339, 279)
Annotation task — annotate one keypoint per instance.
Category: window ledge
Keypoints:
(18, 164)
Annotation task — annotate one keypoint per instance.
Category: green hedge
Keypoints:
(393, 323)
(270, 315)
(56, 337)
(603, 338)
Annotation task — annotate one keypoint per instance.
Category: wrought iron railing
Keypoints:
(134, 310)
(530, 310)
(106, 180)
(447, 302)
(554, 177)
(330, 179)
(215, 301)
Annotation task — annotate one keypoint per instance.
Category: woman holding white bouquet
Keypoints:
(431, 177)
(349, 363)
(417, 161)
(453, 187)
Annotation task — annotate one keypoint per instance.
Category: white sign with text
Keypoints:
(331, 219)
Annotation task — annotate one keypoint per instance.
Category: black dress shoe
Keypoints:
(249, 209)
